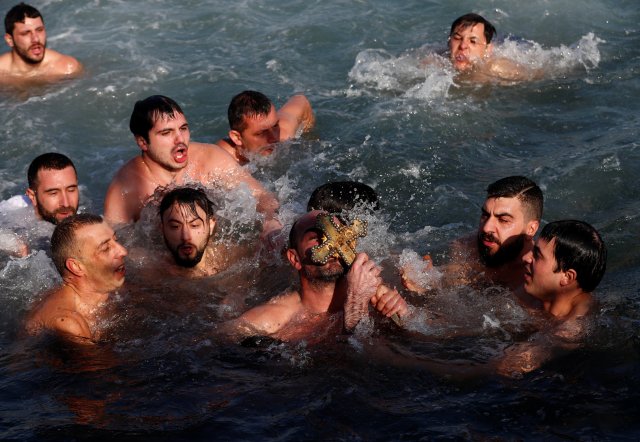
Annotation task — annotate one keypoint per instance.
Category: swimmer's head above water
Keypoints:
(510, 217)
(470, 41)
(188, 222)
(53, 187)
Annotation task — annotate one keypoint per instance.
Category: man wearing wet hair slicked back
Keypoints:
(255, 125)
(29, 58)
(509, 219)
(169, 157)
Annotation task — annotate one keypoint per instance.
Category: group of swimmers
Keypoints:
(554, 273)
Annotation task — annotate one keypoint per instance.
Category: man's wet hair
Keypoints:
(19, 13)
(64, 242)
(146, 112)
(522, 188)
(578, 246)
(472, 19)
(188, 197)
(47, 161)
(336, 196)
(249, 104)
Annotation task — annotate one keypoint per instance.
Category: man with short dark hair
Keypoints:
(169, 157)
(29, 58)
(255, 125)
(566, 264)
(509, 219)
(53, 187)
(90, 260)
(562, 270)
(325, 289)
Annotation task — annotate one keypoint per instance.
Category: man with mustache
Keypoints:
(509, 219)
(325, 289)
(188, 223)
(53, 187)
(255, 125)
(29, 58)
(90, 260)
(168, 157)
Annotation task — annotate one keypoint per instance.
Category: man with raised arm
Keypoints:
(29, 58)
(169, 157)
(91, 262)
(255, 125)
(325, 289)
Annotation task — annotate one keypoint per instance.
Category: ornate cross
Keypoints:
(337, 239)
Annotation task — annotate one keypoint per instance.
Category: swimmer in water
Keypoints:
(255, 125)
(29, 58)
(325, 289)
(471, 54)
(91, 262)
(188, 224)
(562, 270)
(53, 192)
(53, 187)
(169, 157)
(337, 196)
(509, 219)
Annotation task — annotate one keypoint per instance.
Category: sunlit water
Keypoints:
(426, 143)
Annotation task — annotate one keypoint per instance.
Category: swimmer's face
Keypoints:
(503, 230)
(541, 278)
(168, 143)
(56, 194)
(186, 233)
(309, 236)
(259, 134)
(28, 40)
(467, 46)
(102, 256)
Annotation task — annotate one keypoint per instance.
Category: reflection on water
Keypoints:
(428, 145)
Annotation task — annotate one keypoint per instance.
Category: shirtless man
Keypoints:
(256, 126)
(471, 53)
(509, 219)
(91, 262)
(565, 266)
(29, 59)
(53, 187)
(188, 223)
(323, 292)
(168, 157)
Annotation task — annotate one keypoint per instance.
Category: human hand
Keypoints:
(363, 280)
(411, 275)
(389, 302)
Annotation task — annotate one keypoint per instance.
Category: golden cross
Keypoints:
(337, 239)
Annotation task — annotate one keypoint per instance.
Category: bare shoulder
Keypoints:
(5, 62)
(212, 155)
(62, 64)
(503, 68)
(57, 313)
(270, 317)
(122, 192)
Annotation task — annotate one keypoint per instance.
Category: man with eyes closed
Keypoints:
(509, 219)
(90, 260)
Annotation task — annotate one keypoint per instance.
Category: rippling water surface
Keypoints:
(427, 144)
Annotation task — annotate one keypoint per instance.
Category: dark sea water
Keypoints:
(428, 145)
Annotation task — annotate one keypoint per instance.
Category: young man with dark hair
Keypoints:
(169, 157)
(255, 125)
(29, 58)
(91, 262)
(188, 223)
(53, 187)
(509, 219)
